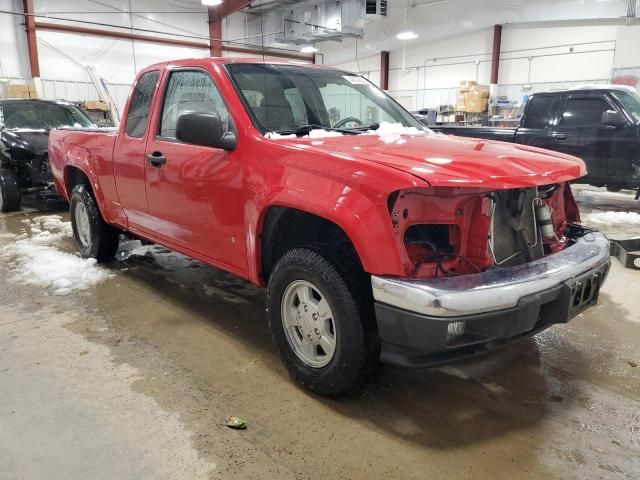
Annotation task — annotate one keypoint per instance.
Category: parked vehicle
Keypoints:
(376, 239)
(24, 132)
(599, 125)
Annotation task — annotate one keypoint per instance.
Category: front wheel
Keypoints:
(320, 323)
(9, 191)
(93, 236)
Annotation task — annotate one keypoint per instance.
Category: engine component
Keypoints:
(515, 238)
(544, 219)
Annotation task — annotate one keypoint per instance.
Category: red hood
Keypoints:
(453, 161)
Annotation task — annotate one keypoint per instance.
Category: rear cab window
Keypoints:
(138, 114)
(539, 111)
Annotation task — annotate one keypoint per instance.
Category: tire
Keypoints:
(351, 328)
(613, 187)
(9, 191)
(93, 236)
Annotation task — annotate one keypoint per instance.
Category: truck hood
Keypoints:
(33, 141)
(443, 160)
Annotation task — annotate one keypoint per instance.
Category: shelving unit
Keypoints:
(467, 118)
(505, 113)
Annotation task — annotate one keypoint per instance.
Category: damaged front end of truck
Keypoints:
(484, 267)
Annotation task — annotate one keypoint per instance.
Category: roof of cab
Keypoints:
(223, 60)
(41, 100)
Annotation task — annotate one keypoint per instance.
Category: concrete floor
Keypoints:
(133, 379)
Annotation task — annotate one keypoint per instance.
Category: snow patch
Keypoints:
(626, 218)
(388, 128)
(277, 136)
(324, 133)
(34, 258)
(387, 131)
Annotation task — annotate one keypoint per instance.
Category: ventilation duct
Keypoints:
(310, 21)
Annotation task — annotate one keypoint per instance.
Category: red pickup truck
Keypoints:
(377, 240)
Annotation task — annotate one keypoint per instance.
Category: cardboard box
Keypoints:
(96, 105)
(479, 91)
(19, 90)
(466, 85)
(476, 104)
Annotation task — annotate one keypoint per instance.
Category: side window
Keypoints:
(138, 114)
(190, 90)
(538, 112)
(583, 112)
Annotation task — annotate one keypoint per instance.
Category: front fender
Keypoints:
(365, 221)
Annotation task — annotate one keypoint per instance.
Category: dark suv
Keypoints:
(24, 136)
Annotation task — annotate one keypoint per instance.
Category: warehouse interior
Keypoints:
(159, 362)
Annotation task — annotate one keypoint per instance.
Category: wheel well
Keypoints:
(285, 228)
(74, 177)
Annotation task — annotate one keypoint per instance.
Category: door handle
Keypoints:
(156, 159)
(559, 136)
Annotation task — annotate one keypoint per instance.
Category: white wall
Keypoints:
(14, 60)
(551, 56)
(559, 56)
(368, 66)
(627, 47)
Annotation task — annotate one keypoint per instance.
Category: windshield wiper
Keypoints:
(303, 130)
(365, 128)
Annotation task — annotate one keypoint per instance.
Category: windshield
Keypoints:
(42, 116)
(284, 98)
(631, 101)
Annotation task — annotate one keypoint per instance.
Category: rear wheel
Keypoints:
(9, 191)
(321, 323)
(93, 236)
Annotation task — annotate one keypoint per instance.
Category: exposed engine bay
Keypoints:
(445, 232)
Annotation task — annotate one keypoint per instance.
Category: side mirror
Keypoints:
(204, 128)
(613, 119)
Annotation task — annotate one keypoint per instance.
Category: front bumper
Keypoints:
(432, 321)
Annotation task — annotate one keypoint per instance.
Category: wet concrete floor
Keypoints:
(133, 379)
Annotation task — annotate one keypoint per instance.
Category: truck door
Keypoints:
(580, 132)
(129, 152)
(194, 192)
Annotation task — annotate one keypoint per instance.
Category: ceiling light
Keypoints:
(211, 3)
(407, 35)
(308, 49)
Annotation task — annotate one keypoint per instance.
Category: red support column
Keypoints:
(215, 33)
(495, 57)
(32, 43)
(384, 70)
(216, 15)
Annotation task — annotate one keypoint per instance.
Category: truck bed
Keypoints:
(488, 133)
(80, 148)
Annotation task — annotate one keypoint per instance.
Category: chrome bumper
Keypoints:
(493, 290)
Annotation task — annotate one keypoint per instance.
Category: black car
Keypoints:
(24, 135)
(599, 125)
